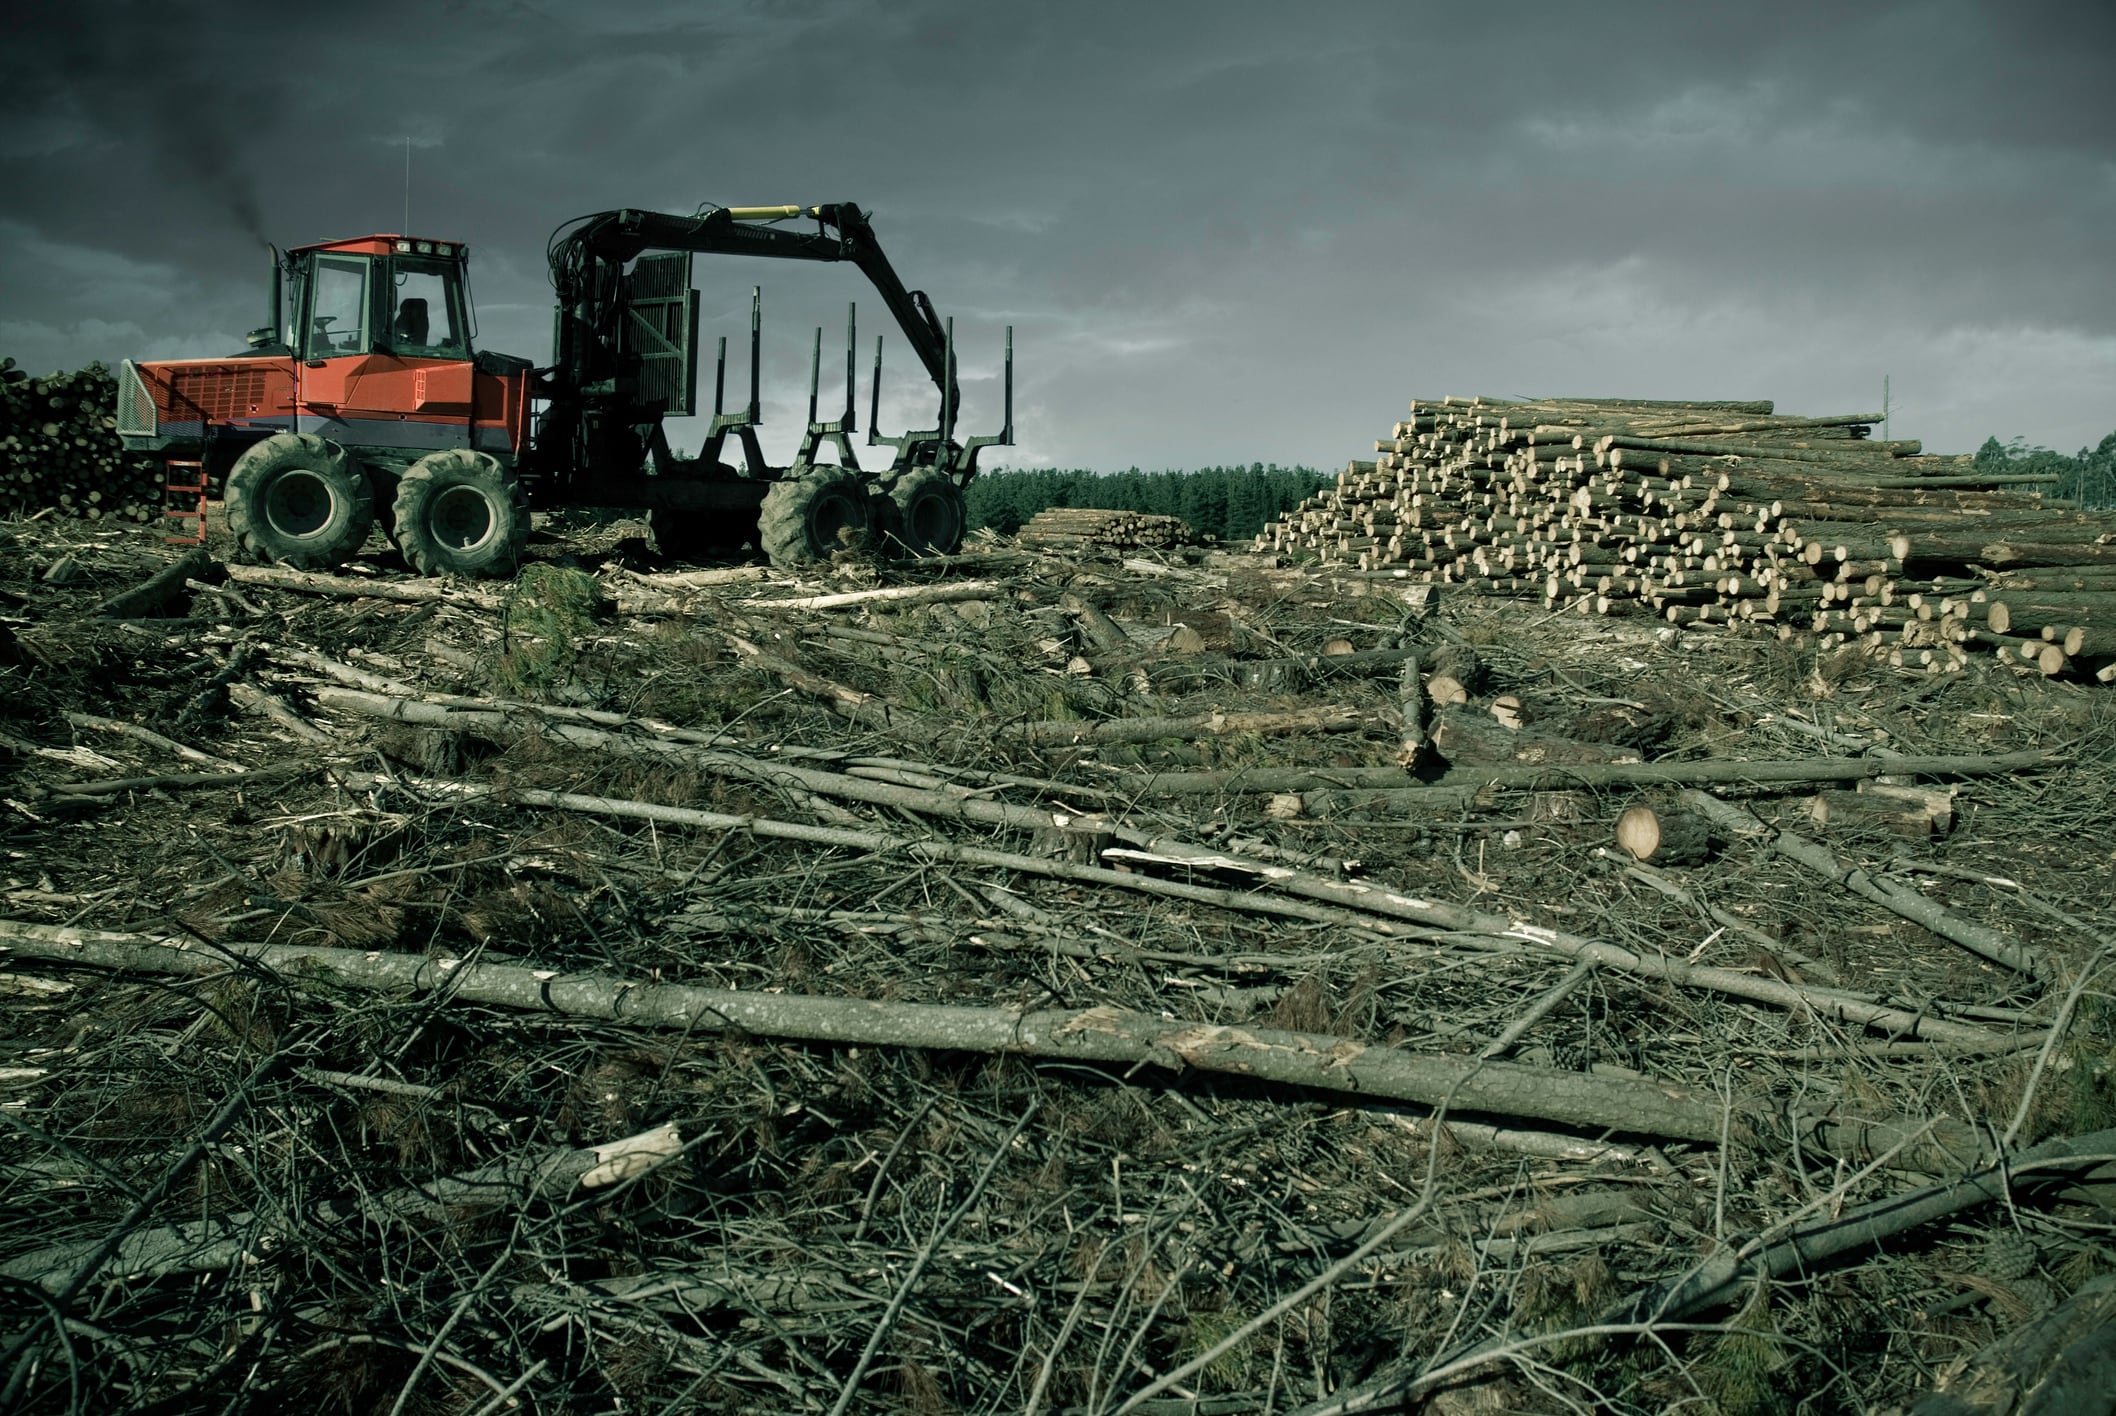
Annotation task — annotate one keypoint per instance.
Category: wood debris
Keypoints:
(1045, 979)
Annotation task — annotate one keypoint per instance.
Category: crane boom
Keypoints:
(588, 258)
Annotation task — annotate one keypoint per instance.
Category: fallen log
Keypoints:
(1733, 1272)
(1726, 1276)
(1410, 715)
(895, 597)
(1108, 1035)
(1284, 674)
(1265, 779)
(218, 1243)
(1350, 895)
(1901, 899)
(1827, 769)
(1458, 675)
(1841, 810)
(862, 708)
(1323, 901)
(1461, 919)
(153, 594)
(1245, 901)
(1107, 635)
(409, 592)
(1064, 732)
(700, 579)
(252, 699)
(1926, 553)
(153, 739)
(182, 781)
(1467, 740)
(508, 722)
(1663, 837)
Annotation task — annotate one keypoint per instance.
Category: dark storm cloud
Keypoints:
(1223, 231)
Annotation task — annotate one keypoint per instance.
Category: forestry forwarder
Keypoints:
(364, 397)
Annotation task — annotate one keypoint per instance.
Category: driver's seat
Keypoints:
(411, 321)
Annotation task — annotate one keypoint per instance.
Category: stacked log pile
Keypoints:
(1073, 527)
(1727, 515)
(59, 451)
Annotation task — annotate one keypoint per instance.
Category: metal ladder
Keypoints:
(186, 501)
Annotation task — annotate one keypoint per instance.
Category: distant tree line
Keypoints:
(2088, 478)
(1232, 503)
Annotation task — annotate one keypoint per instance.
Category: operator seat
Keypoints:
(411, 321)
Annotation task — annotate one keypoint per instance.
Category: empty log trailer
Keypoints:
(363, 399)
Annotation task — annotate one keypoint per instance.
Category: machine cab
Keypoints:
(388, 295)
(380, 331)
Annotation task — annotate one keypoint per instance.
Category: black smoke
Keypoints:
(153, 87)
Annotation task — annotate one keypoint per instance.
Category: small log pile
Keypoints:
(1079, 527)
(59, 451)
(1722, 515)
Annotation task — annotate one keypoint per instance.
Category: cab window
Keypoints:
(426, 309)
(337, 308)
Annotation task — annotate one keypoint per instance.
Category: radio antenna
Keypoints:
(407, 186)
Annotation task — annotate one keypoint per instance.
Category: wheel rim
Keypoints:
(299, 504)
(462, 519)
(930, 520)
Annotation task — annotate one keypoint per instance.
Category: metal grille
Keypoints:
(661, 328)
(136, 410)
(216, 393)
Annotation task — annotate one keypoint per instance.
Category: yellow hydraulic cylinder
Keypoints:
(770, 213)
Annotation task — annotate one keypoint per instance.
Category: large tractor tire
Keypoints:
(459, 512)
(298, 499)
(807, 518)
(926, 516)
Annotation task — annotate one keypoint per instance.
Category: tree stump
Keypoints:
(1663, 837)
(1457, 677)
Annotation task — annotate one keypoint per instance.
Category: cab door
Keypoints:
(386, 361)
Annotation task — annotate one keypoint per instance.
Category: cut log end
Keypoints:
(1661, 837)
(1446, 691)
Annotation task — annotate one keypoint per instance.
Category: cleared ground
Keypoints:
(325, 997)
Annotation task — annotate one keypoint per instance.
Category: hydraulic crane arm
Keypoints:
(588, 257)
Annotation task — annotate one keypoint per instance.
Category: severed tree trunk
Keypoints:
(1664, 837)
(152, 595)
(1859, 811)
(1457, 675)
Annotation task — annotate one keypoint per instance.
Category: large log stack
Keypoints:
(59, 451)
(1727, 515)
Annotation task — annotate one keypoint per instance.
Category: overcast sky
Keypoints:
(1222, 231)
